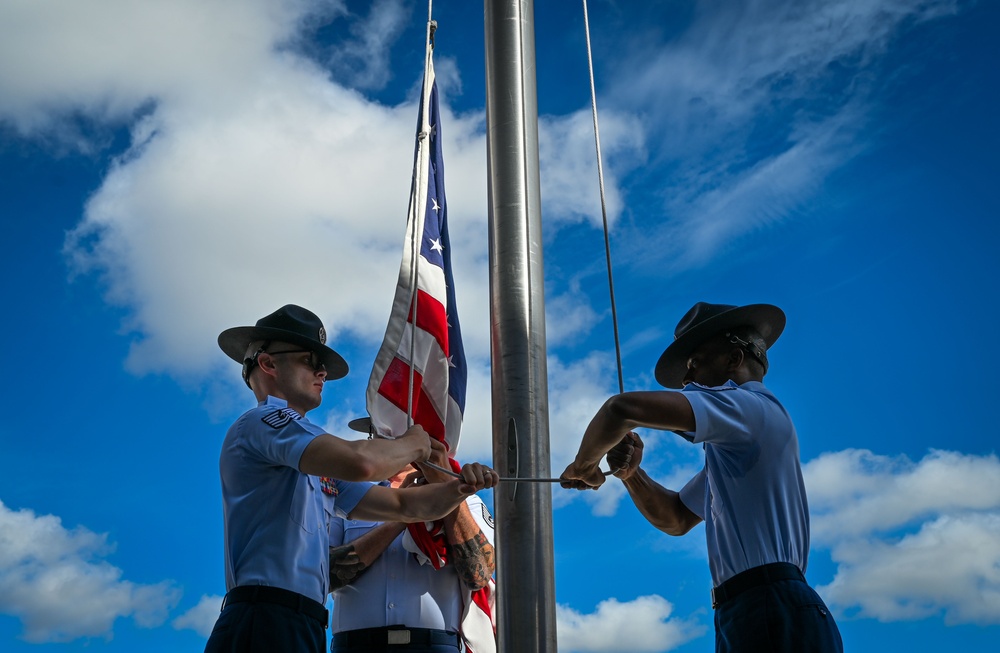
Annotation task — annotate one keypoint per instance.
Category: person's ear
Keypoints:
(736, 357)
(266, 364)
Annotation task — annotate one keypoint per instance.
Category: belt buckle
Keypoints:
(396, 637)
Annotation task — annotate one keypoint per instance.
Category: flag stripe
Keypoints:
(431, 317)
(428, 355)
(431, 279)
(394, 388)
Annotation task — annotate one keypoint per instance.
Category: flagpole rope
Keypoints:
(604, 210)
(416, 243)
(513, 479)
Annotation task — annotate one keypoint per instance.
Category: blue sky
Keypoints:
(171, 169)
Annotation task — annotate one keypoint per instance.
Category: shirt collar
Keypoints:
(754, 386)
(277, 402)
(273, 401)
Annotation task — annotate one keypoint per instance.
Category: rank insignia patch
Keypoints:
(278, 418)
(328, 485)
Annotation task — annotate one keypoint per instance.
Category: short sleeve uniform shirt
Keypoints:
(276, 517)
(750, 492)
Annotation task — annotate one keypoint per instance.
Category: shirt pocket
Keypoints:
(306, 509)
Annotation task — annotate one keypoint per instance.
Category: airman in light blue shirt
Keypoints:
(275, 466)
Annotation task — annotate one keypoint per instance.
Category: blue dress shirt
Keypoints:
(276, 518)
(750, 492)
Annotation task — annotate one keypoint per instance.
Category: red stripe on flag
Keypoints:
(394, 388)
(432, 318)
(481, 597)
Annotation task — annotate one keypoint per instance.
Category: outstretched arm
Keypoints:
(423, 502)
(659, 410)
(365, 460)
(661, 507)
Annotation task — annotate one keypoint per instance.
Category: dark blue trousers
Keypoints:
(785, 616)
(265, 628)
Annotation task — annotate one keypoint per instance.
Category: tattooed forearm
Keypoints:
(345, 566)
(474, 561)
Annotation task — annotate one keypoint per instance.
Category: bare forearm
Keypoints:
(624, 412)
(472, 553)
(358, 460)
(412, 504)
(661, 507)
(349, 561)
(474, 561)
(605, 430)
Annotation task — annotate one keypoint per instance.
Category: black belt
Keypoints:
(277, 596)
(754, 577)
(396, 635)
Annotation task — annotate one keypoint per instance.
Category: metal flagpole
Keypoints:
(525, 569)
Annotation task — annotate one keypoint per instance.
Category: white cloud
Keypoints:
(54, 580)
(201, 618)
(577, 389)
(567, 317)
(949, 567)
(644, 625)
(570, 185)
(735, 61)
(750, 109)
(856, 492)
(298, 197)
(106, 58)
(722, 208)
(910, 540)
(364, 60)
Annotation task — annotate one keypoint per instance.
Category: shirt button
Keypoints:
(392, 605)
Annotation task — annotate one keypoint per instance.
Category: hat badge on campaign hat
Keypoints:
(704, 321)
(292, 324)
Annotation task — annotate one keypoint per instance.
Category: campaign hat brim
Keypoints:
(361, 425)
(235, 341)
(766, 319)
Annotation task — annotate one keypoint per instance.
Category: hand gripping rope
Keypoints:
(503, 478)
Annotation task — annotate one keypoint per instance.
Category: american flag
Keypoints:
(420, 371)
